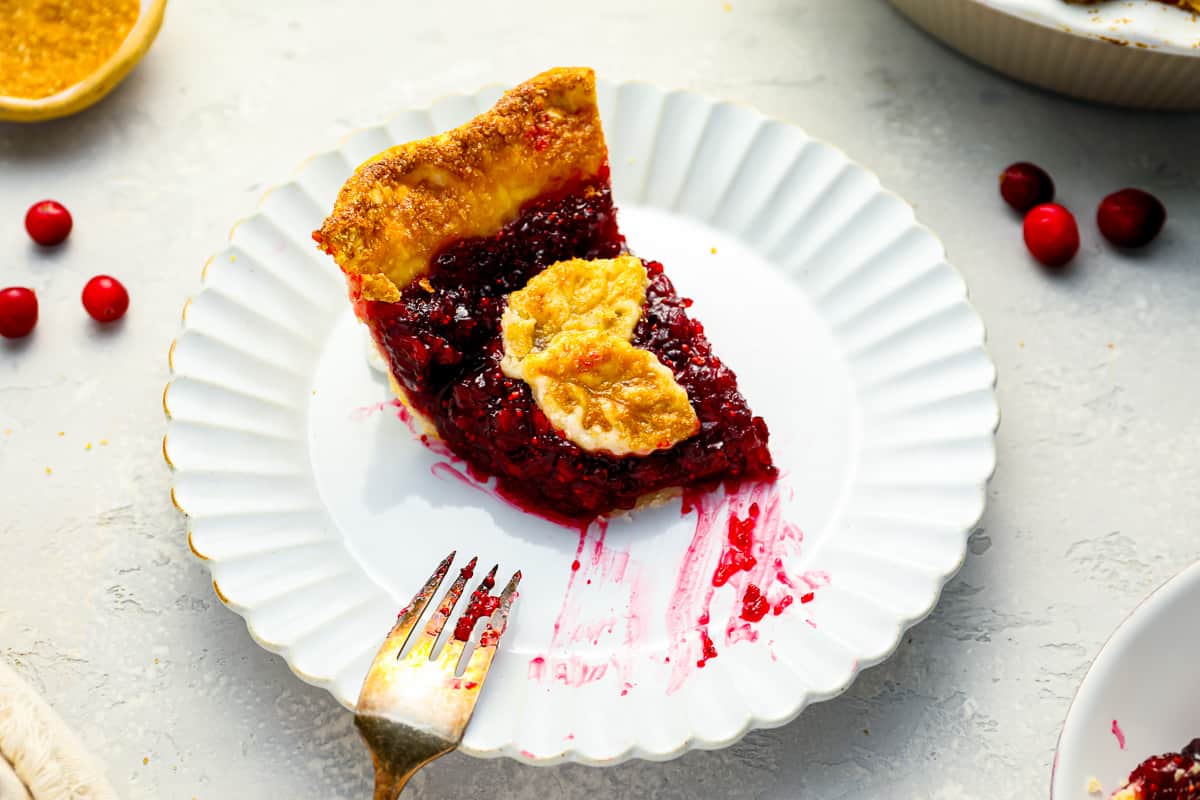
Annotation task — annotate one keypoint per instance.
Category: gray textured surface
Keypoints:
(103, 609)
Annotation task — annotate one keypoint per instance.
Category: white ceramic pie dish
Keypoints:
(1141, 696)
(319, 514)
(1136, 53)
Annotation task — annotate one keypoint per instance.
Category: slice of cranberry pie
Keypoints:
(488, 265)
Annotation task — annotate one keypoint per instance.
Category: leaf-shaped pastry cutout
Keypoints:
(567, 334)
(603, 295)
(604, 394)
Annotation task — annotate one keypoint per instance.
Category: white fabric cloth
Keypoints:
(40, 758)
(11, 787)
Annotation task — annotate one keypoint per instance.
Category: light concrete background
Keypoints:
(104, 610)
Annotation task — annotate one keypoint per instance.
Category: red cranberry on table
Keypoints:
(1024, 185)
(48, 222)
(1130, 217)
(105, 298)
(18, 312)
(1051, 234)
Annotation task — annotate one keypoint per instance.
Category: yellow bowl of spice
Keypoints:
(58, 57)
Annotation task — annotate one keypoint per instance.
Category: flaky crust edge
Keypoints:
(402, 206)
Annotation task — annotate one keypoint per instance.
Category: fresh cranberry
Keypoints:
(18, 312)
(1130, 217)
(1024, 185)
(105, 298)
(1051, 234)
(48, 222)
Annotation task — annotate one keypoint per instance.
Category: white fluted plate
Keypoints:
(319, 514)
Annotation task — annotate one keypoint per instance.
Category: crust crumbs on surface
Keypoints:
(1094, 786)
(402, 206)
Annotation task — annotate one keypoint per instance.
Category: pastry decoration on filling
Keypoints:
(487, 263)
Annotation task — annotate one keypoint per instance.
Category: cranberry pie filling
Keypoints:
(443, 341)
(586, 391)
(1173, 776)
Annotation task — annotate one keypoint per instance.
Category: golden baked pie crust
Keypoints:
(606, 395)
(405, 204)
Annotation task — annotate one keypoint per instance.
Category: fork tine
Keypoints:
(506, 600)
(423, 648)
(453, 649)
(481, 659)
(410, 614)
(413, 710)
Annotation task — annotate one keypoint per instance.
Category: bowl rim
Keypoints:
(1064, 17)
(100, 82)
(1106, 656)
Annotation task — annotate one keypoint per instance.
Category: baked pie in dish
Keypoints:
(489, 267)
(1172, 776)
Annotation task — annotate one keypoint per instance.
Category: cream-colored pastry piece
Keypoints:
(402, 206)
(578, 295)
(606, 395)
(567, 334)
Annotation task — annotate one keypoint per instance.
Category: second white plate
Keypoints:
(1141, 696)
(319, 514)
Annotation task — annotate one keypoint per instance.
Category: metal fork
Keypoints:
(414, 709)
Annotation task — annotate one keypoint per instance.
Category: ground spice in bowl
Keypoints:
(47, 46)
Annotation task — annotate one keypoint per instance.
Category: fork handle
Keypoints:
(389, 785)
(401, 760)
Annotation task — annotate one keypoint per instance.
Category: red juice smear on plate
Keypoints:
(1120, 734)
(738, 556)
(755, 605)
(603, 607)
(742, 541)
(707, 649)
